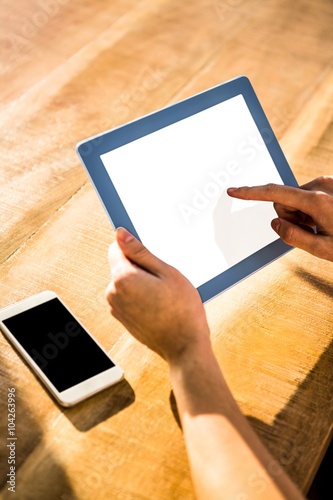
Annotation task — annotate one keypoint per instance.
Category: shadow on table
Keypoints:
(325, 287)
(174, 409)
(101, 406)
(313, 397)
(33, 462)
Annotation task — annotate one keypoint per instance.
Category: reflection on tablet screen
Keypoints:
(173, 184)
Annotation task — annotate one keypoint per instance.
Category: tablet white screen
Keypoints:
(173, 184)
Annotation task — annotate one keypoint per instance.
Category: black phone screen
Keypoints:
(58, 344)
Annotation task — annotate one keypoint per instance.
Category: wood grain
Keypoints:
(74, 69)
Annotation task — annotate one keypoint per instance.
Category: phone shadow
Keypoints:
(100, 407)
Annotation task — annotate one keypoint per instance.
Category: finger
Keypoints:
(284, 195)
(137, 253)
(293, 215)
(298, 237)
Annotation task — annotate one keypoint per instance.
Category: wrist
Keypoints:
(198, 383)
(192, 354)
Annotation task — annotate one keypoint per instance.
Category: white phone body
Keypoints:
(72, 364)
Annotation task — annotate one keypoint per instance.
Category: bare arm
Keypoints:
(299, 210)
(226, 457)
(164, 311)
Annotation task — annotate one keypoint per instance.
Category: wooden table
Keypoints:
(70, 69)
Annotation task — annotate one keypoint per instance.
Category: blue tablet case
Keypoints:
(91, 150)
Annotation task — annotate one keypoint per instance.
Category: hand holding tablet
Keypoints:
(176, 322)
(164, 178)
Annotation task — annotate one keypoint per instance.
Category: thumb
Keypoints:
(137, 253)
(296, 236)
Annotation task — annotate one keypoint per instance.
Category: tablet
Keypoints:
(164, 178)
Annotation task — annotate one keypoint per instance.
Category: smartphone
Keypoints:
(72, 365)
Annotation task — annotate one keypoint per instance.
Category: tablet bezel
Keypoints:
(91, 150)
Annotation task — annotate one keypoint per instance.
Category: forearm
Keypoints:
(226, 457)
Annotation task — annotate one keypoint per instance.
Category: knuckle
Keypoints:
(121, 283)
(111, 299)
(122, 277)
(115, 299)
(271, 188)
(322, 184)
(110, 293)
(289, 235)
(325, 179)
(323, 250)
(321, 198)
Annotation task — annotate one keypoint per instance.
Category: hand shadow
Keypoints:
(237, 234)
